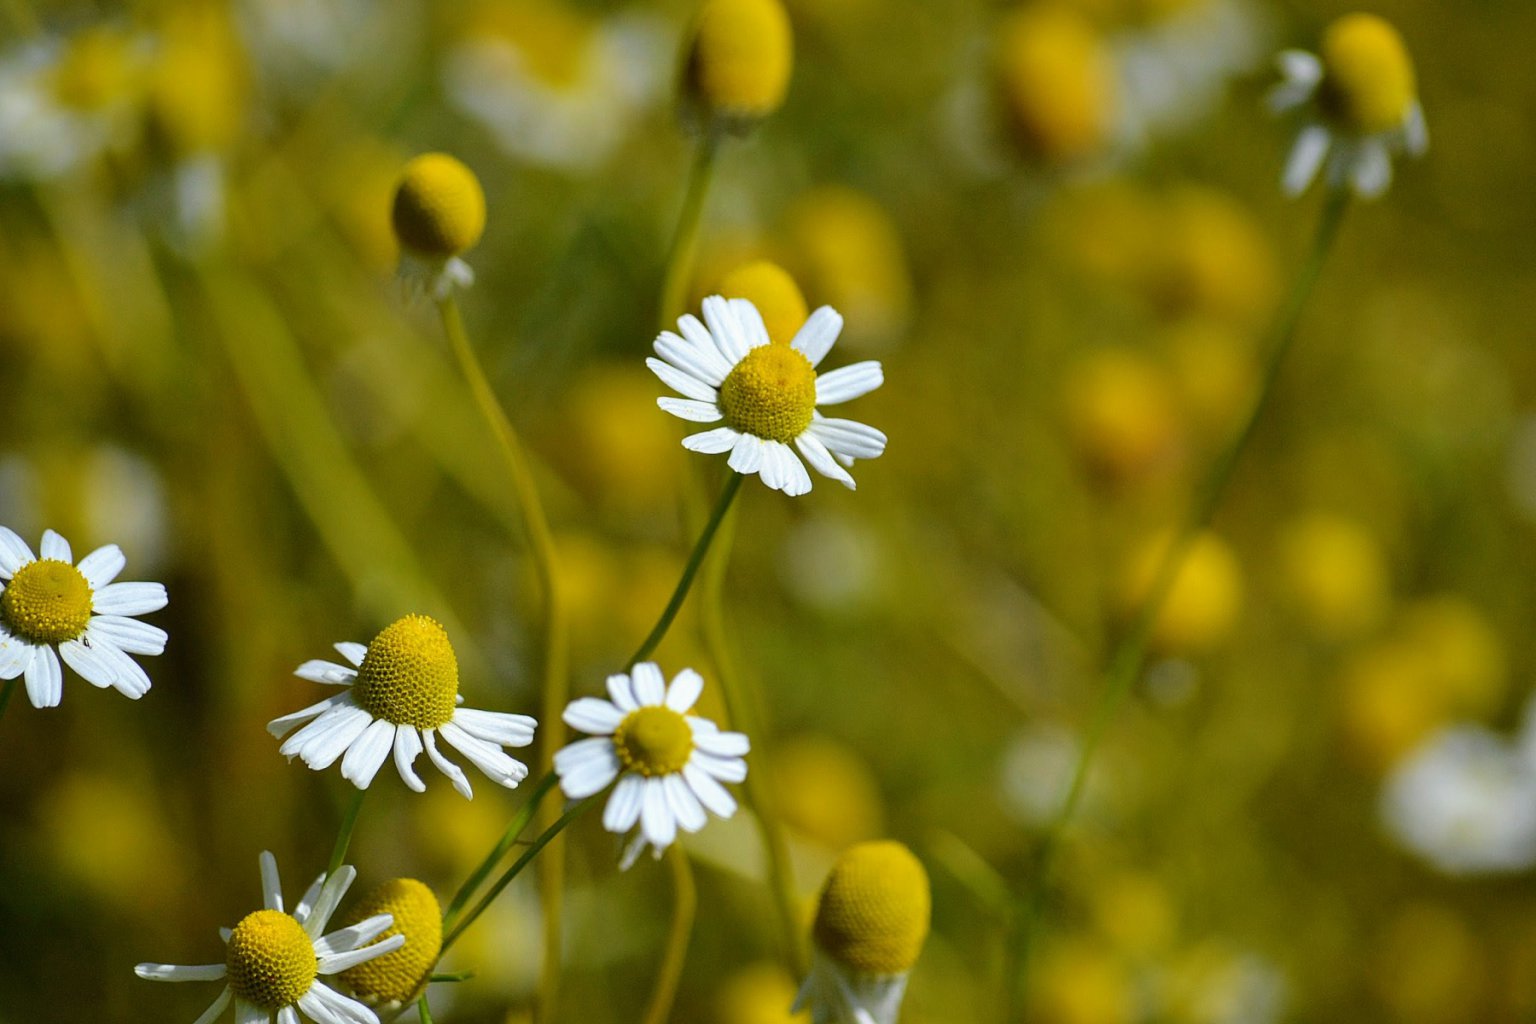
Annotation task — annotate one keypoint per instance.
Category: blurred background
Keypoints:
(1058, 226)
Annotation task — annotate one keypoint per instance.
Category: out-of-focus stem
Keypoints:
(685, 239)
(685, 901)
(1129, 654)
(344, 837)
(554, 654)
(508, 839)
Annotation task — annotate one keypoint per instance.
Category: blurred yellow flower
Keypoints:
(739, 60)
(824, 791)
(199, 83)
(773, 291)
(1209, 258)
(614, 455)
(1078, 981)
(759, 993)
(1461, 652)
(1120, 415)
(1428, 965)
(1135, 912)
(1214, 375)
(1334, 576)
(1390, 703)
(1056, 83)
(844, 249)
(1203, 601)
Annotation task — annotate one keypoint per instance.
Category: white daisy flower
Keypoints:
(767, 394)
(402, 693)
(670, 764)
(1360, 103)
(274, 960)
(50, 603)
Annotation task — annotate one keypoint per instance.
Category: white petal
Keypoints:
(711, 442)
(352, 937)
(1300, 67)
(589, 771)
(101, 566)
(704, 349)
(15, 655)
(1372, 172)
(747, 456)
(623, 808)
(498, 766)
(772, 470)
(336, 1007)
(329, 899)
(847, 437)
(710, 793)
(816, 338)
(752, 326)
(721, 744)
(499, 727)
(56, 548)
(454, 772)
(317, 670)
(335, 963)
(129, 599)
(622, 693)
(88, 663)
(688, 409)
(128, 635)
(684, 691)
(650, 685)
(249, 1013)
(849, 382)
(130, 679)
(1306, 157)
(593, 715)
(14, 553)
(175, 972)
(366, 755)
(407, 747)
(725, 329)
(726, 769)
(702, 362)
(684, 805)
(684, 382)
(325, 739)
(216, 1010)
(355, 653)
(278, 727)
(1415, 132)
(45, 678)
(288, 1015)
(822, 461)
(656, 820)
(796, 480)
(303, 910)
(271, 882)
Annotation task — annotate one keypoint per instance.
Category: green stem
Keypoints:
(344, 837)
(696, 559)
(685, 903)
(555, 655)
(571, 814)
(508, 840)
(424, 1010)
(1128, 655)
(685, 239)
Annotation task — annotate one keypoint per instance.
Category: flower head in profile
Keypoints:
(402, 693)
(52, 608)
(394, 980)
(1361, 106)
(739, 61)
(273, 960)
(767, 394)
(669, 764)
(871, 922)
(439, 212)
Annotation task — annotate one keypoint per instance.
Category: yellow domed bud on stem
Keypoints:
(773, 291)
(1368, 78)
(872, 916)
(1055, 84)
(396, 979)
(739, 61)
(439, 207)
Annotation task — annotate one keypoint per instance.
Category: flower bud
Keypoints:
(739, 60)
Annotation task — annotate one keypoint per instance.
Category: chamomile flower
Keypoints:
(1361, 107)
(439, 212)
(669, 764)
(274, 960)
(394, 980)
(52, 608)
(402, 692)
(871, 922)
(766, 394)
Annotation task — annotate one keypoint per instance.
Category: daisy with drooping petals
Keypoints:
(670, 764)
(274, 960)
(1361, 105)
(50, 603)
(402, 693)
(767, 394)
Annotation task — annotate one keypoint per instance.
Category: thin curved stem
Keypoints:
(344, 837)
(423, 1010)
(695, 559)
(546, 564)
(685, 239)
(508, 839)
(1129, 654)
(685, 902)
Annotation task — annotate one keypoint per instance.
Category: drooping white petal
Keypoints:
(710, 793)
(712, 442)
(1415, 132)
(684, 691)
(217, 1008)
(684, 382)
(128, 676)
(331, 1007)
(1372, 171)
(129, 599)
(1300, 66)
(656, 820)
(772, 470)
(176, 972)
(499, 727)
(819, 333)
(1306, 157)
(454, 772)
(623, 808)
(747, 456)
(325, 739)
(88, 663)
(650, 685)
(711, 740)
(593, 715)
(56, 547)
(15, 655)
(849, 382)
(499, 766)
(128, 635)
(45, 678)
(848, 437)
(288, 1015)
(690, 410)
(822, 461)
(278, 727)
(685, 806)
(796, 480)
(318, 670)
(101, 566)
(407, 746)
(726, 769)
(366, 755)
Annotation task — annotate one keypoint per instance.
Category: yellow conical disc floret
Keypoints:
(46, 602)
(271, 961)
(1056, 83)
(740, 59)
(1368, 80)
(769, 287)
(409, 675)
(873, 912)
(771, 393)
(398, 977)
(439, 206)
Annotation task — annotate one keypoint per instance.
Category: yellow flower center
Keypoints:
(399, 976)
(409, 675)
(742, 55)
(271, 960)
(46, 602)
(653, 740)
(1368, 80)
(439, 206)
(769, 287)
(874, 908)
(771, 393)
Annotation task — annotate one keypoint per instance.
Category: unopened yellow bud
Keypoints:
(398, 977)
(740, 59)
(873, 912)
(769, 287)
(1056, 84)
(1368, 79)
(439, 207)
